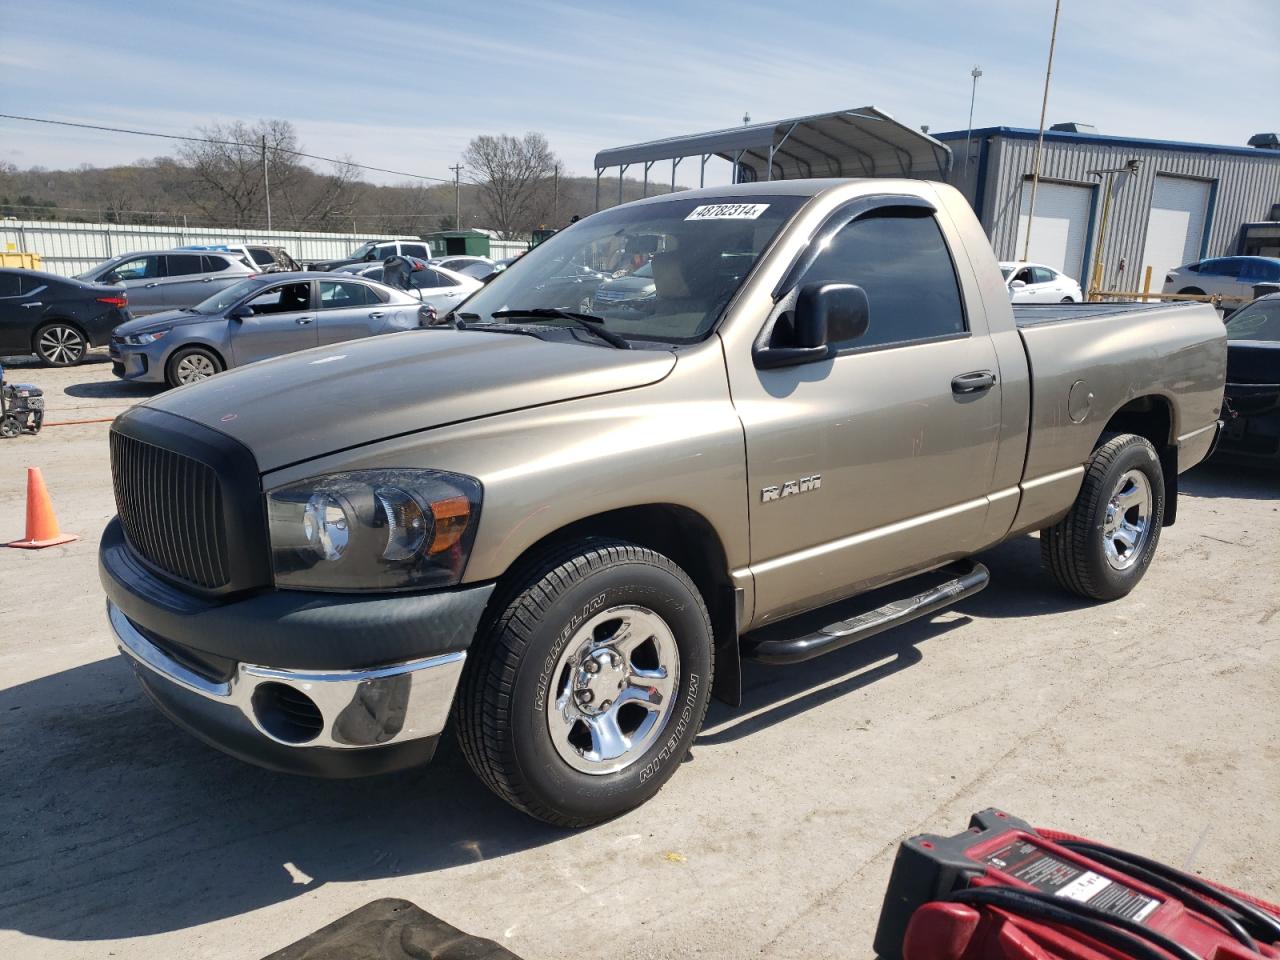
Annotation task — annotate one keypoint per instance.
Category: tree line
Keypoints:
(511, 184)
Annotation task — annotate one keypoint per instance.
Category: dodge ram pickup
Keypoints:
(564, 530)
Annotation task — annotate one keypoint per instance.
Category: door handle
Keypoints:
(974, 382)
(207, 280)
(303, 321)
(148, 286)
(376, 316)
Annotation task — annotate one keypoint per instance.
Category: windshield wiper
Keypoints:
(584, 320)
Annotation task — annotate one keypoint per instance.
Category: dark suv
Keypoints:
(56, 318)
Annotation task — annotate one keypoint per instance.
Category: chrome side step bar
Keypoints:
(971, 579)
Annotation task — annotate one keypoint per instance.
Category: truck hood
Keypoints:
(305, 405)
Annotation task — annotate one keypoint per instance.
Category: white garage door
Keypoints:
(1175, 227)
(1061, 226)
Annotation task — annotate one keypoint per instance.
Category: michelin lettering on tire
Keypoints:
(549, 662)
(682, 724)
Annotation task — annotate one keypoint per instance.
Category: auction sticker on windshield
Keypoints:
(727, 211)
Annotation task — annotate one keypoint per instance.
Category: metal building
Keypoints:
(1170, 203)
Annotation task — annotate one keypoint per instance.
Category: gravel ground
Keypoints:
(1150, 723)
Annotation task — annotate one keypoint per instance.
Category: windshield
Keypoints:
(698, 252)
(1259, 320)
(96, 269)
(226, 298)
(362, 250)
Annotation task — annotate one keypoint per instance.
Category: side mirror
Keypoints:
(823, 311)
(241, 312)
(1017, 284)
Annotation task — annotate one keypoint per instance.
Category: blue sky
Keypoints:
(405, 85)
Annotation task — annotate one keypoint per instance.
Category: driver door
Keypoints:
(283, 320)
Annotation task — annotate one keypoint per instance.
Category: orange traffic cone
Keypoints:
(42, 525)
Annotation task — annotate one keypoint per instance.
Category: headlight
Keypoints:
(141, 339)
(373, 530)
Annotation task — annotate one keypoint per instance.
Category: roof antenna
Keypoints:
(746, 119)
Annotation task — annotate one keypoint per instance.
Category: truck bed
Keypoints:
(1035, 314)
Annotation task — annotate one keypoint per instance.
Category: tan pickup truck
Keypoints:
(560, 517)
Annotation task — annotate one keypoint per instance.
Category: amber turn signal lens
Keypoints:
(452, 516)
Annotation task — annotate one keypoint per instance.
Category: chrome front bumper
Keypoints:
(353, 709)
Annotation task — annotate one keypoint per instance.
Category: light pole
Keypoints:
(1044, 106)
(976, 72)
(457, 196)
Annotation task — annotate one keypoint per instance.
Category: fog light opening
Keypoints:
(287, 713)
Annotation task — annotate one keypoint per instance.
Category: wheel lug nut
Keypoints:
(593, 666)
(586, 696)
(606, 705)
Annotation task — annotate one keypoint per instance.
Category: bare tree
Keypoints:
(228, 185)
(512, 174)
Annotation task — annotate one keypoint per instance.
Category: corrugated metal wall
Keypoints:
(1247, 186)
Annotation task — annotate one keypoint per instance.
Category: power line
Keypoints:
(224, 143)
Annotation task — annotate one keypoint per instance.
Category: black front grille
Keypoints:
(171, 508)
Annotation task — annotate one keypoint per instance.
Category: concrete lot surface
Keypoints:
(1150, 723)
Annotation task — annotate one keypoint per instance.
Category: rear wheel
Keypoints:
(191, 366)
(1192, 290)
(10, 427)
(1068, 300)
(584, 692)
(60, 344)
(1103, 546)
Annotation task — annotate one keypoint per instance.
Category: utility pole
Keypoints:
(555, 193)
(457, 196)
(976, 72)
(266, 180)
(1044, 106)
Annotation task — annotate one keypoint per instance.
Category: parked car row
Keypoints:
(61, 318)
(260, 317)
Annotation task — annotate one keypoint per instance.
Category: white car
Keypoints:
(1223, 276)
(1036, 283)
(466, 265)
(438, 287)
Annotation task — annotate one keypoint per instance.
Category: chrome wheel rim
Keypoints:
(61, 345)
(612, 690)
(195, 367)
(1126, 523)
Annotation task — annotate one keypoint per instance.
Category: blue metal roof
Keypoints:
(1100, 139)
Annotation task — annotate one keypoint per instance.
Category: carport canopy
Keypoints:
(862, 142)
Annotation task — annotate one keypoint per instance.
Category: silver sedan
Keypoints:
(262, 317)
(440, 288)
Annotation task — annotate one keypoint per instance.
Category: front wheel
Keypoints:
(60, 344)
(191, 366)
(586, 689)
(1103, 546)
(1067, 300)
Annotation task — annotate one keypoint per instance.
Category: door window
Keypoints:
(384, 251)
(262, 255)
(1042, 275)
(430, 279)
(414, 250)
(903, 264)
(139, 268)
(287, 298)
(340, 294)
(213, 264)
(10, 285)
(1227, 267)
(185, 264)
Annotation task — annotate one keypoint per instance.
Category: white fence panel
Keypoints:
(68, 248)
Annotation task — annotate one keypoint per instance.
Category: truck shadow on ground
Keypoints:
(114, 823)
(773, 694)
(1216, 480)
